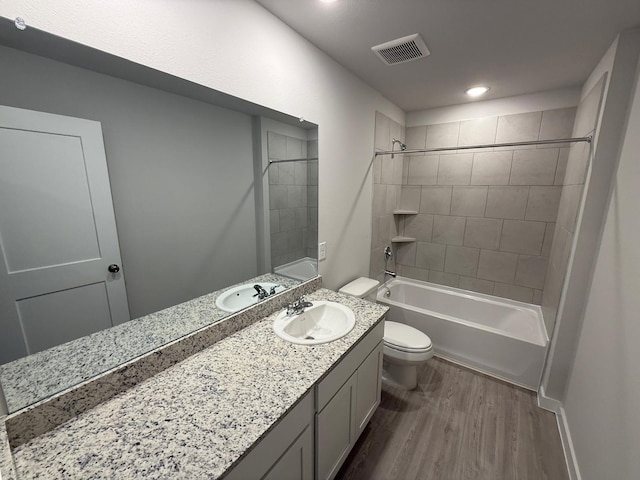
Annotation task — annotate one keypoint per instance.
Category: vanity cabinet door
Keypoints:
(335, 430)
(286, 452)
(296, 463)
(368, 388)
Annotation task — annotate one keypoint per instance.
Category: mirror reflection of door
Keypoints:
(60, 266)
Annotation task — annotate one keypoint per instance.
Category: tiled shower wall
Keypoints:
(485, 219)
(293, 198)
(388, 176)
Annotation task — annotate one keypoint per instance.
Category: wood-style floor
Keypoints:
(458, 424)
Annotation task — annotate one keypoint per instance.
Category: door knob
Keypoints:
(113, 268)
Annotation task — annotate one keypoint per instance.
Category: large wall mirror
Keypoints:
(125, 192)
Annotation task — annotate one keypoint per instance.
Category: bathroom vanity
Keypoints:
(249, 406)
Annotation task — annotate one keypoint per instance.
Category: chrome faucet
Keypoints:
(297, 307)
(262, 293)
(390, 273)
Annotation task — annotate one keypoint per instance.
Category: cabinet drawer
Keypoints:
(337, 377)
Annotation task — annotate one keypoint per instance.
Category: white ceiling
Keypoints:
(514, 46)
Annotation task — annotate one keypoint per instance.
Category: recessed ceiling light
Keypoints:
(327, 1)
(476, 91)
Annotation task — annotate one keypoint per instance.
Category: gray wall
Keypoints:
(603, 418)
(181, 176)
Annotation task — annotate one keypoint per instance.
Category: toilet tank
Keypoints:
(362, 287)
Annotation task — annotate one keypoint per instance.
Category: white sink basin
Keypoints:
(243, 296)
(323, 322)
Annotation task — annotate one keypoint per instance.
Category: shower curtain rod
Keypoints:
(488, 145)
(293, 160)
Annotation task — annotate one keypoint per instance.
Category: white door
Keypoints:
(58, 239)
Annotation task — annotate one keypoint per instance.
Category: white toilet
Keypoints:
(405, 348)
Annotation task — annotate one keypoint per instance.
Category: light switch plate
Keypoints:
(322, 251)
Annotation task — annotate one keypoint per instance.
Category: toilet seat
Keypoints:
(403, 338)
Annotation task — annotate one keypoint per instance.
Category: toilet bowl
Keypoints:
(405, 348)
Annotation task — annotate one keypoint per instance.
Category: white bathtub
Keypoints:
(301, 269)
(503, 338)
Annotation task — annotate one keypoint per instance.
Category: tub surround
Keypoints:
(198, 418)
(51, 412)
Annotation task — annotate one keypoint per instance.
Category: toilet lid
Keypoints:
(404, 337)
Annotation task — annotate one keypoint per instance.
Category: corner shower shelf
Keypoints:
(405, 212)
(402, 239)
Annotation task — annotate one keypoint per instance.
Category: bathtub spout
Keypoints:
(389, 272)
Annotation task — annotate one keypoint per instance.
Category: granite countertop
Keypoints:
(43, 374)
(196, 419)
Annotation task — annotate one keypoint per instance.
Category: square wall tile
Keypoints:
(414, 272)
(476, 285)
(557, 123)
(569, 206)
(455, 169)
(462, 260)
(423, 170)
(430, 255)
(522, 237)
(507, 202)
(537, 297)
(468, 201)
(491, 168)
(276, 146)
(287, 219)
(410, 198)
(497, 266)
(382, 132)
(443, 135)
(534, 167)
(277, 197)
(286, 174)
(386, 176)
(543, 203)
(376, 262)
(300, 173)
(397, 164)
(531, 271)
(416, 137)
(419, 227)
(296, 148)
(548, 239)
(274, 221)
(273, 174)
(406, 254)
(587, 113)
(442, 278)
(520, 127)
(561, 249)
(377, 169)
(577, 164)
(478, 131)
(561, 170)
(393, 198)
(435, 200)
(513, 292)
(379, 200)
(296, 196)
(483, 233)
(449, 230)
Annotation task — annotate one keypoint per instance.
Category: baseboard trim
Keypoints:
(556, 407)
(547, 403)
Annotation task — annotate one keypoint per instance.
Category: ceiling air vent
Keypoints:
(402, 50)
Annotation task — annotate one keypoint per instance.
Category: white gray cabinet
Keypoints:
(345, 406)
(322, 429)
(286, 452)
